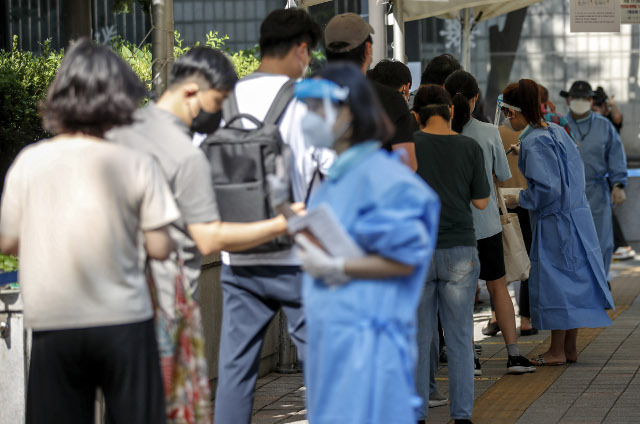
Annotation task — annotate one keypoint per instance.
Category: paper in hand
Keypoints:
(327, 230)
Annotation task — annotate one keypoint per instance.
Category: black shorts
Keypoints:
(491, 255)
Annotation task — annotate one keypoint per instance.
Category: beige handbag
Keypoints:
(516, 260)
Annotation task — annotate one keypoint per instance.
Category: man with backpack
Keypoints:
(257, 284)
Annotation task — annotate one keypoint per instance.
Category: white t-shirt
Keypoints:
(255, 96)
(78, 206)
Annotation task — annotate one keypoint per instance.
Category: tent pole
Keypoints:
(466, 39)
(398, 32)
(377, 21)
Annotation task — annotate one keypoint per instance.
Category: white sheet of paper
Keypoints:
(595, 15)
(325, 227)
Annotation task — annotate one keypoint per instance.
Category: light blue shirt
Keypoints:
(487, 221)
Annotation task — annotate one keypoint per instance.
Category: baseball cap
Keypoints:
(345, 32)
(579, 89)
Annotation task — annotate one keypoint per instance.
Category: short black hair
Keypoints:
(391, 73)
(370, 122)
(207, 64)
(283, 29)
(93, 91)
(432, 100)
(356, 55)
(439, 68)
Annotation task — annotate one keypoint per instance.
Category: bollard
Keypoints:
(15, 348)
(287, 355)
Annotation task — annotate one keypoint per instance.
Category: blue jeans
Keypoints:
(450, 289)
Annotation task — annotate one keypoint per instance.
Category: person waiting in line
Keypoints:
(199, 81)
(361, 313)
(464, 91)
(347, 38)
(394, 74)
(80, 208)
(517, 180)
(607, 107)
(605, 163)
(453, 165)
(255, 286)
(567, 283)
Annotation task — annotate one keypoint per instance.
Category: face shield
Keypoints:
(504, 112)
(324, 99)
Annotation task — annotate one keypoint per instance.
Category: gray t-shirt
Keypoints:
(166, 137)
(78, 206)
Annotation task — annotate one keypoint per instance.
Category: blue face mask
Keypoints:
(317, 132)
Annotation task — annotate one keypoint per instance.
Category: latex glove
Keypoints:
(317, 263)
(618, 196)
(512, 201)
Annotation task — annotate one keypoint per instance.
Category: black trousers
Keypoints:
(618, 237)
(67, 366)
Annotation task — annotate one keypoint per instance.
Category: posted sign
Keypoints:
(630, 11)
(595, 15)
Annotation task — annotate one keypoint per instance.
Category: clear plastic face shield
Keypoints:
(324, 99)
(504, 112)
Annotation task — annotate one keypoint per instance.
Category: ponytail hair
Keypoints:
(462, 87)
(525, 94)
(432, 100)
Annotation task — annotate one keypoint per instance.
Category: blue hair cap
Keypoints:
(316, 88)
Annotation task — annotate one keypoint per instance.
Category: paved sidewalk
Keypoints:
(603, 387)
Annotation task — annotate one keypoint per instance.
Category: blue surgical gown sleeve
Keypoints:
(500, 164)
(616, 157)
(539, 165)
(403, 225)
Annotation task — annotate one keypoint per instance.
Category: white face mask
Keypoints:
(580, 106)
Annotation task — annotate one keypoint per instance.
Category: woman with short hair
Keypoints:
(79, 207)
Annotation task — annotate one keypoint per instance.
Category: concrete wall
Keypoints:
(211, 307)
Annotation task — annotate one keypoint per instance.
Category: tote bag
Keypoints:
(182, 355)
(516, 260)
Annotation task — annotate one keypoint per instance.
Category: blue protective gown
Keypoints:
(604, 163)
(567, 283)
(361, 348)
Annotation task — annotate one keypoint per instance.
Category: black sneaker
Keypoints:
(519, 365)
(443, 355)
(478, 370)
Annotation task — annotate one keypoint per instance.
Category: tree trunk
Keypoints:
(161, 43)
(503, 46)
(76, 20)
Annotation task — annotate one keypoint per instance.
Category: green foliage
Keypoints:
(24, 79)
(8, 263)
(140, 59)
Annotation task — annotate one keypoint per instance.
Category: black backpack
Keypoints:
(242, 158)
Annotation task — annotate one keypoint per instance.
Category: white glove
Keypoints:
(317, 263)
(618, 196)
(512, 201)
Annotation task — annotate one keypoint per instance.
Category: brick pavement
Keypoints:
(603, 387)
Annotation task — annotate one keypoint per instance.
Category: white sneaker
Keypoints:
(623, 253)
(437, 399)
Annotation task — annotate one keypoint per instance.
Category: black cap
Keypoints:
(579, 89)
(600, 96)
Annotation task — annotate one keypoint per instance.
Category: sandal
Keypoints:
(491, 329)
(541, 362)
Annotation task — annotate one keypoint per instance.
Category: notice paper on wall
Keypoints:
(630, 11)
(595, 15)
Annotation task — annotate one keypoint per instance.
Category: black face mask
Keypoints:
(205, 122)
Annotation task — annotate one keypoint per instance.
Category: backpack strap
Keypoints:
(280, 103)
(230, 109)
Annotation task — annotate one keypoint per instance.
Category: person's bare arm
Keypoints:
(157, 243)
(376, 267)
(480, 203)
(9, 245)
(410, 148)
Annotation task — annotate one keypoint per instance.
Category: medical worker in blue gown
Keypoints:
(605, 164)
(567, 284)
(361, 313)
